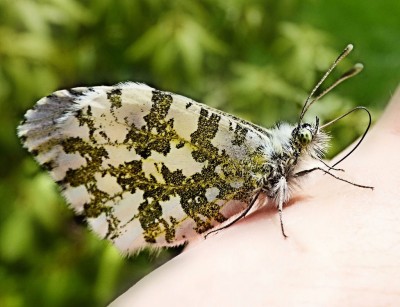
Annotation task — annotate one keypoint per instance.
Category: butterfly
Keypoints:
(149, 168)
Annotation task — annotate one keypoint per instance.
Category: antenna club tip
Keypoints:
(359, 66)
(349, 47)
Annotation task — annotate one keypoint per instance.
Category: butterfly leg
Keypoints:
(305, 172)
(280, 198)
(280, 209)
(241, 215)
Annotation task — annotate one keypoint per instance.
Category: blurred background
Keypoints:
(255, 59)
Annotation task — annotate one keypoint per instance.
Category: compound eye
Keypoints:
(305, 136)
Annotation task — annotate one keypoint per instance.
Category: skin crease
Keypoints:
(343, 245)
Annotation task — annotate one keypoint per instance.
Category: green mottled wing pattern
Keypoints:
(145, 167)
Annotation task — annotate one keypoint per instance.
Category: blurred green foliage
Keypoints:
(256, 59)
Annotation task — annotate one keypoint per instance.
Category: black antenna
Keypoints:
(362, 137)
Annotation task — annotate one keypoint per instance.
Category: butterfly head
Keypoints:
(304, 134)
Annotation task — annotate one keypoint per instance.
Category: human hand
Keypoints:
(343, 246)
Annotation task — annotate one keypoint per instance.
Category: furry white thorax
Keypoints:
(287, 157)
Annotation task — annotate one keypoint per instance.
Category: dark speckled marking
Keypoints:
(158, 132)
(49, 165)
(239, 135)
(35, 152)
(74, 92)
(85, 175)
(85, 117)
(180, 144)
(207, 128)
(230, 126)
(114, 96)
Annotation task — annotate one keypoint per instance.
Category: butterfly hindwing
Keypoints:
(145, 167)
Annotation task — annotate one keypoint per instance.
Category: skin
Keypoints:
(343, 245)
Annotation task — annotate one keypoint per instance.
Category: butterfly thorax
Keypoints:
(291, 146)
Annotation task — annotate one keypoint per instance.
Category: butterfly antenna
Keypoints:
(362, 137)
(357, 68)
(352, 72)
